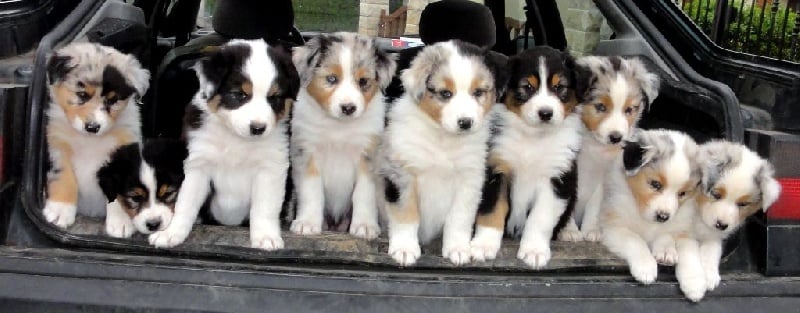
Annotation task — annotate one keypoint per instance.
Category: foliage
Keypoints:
(326, 15)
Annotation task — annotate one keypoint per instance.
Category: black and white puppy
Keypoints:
(433, 154)
(531, 181)
(736, 183)
(238, 143)
(336, 125)
(619, 91)
(92, 111)
(141, 183)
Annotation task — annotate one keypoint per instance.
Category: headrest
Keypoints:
(253, 19)
(457, 19)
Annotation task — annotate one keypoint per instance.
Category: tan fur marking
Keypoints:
(572, 101)
(409, 213)
(64, 187)
(497, 218)
(499, 164)
(68, 101)
(640, 186)
(163, 190)
(123, 136)
(751, 208)
(124, 204)
(213, 103)
(534, 81)
(320, 90)
(247, 88)
(487, 100)
(512, 104)
(311, 168)
(592, 118)
(631, 103)
(430, 105)
(372, 85)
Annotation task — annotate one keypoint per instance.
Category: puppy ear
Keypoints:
(498, 65)
(770, 188)
(58, 67)
(284, 63)
(636, 154)
(648, 81)
(138, 76)
(212, 69)
(582, 78)
(415, 78)
(305, 57)
(385, 65)
(109, 177)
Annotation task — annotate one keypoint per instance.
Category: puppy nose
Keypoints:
(465, 123)
(92, 127)
(153, 224)
(615, 137)
(348, 109)
(721, 226)
(662, 217)
(545, 114)
(257, 128)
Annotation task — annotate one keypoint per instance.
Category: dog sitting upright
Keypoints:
(238, 143)
(336, 125)
(141, 182)
(531, 179)
(92, 111)
(736, 183)
(433, 154)
(619, 91)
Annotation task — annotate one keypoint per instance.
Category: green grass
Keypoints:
(326, 15)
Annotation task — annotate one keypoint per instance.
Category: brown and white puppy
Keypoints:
(531, 179)
(433, 154)
(92, 111)
(141, 182)
(336, 124)
(645, 188)
(736, 183)
(619, 90)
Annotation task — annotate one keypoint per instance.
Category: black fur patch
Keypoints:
(490, 193)
(633, 155)
(113, 81)
(526, 64)
(391, 192)
(616, 63)
(224, 69)
(117, 175)
(566, 188)
(166, 157)
(57, 68)
(194, 117)
(288, 80)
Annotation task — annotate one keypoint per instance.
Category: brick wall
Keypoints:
(584, 25)
(369, 16)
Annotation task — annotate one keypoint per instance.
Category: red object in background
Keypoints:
(788, 205)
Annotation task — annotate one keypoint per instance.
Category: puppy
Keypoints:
(643, 192)
(336, 124)
(620, 89)
(141, 183)
(238, 143)
(736, 183)
(531, 165)
(92, 111)
(434, 149)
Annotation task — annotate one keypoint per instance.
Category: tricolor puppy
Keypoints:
(141, 183)
(433, 154)
(531, 180)
(336, 125)
(619, 90)
(93, 93)
(238, 143)
(736, 183)
(645, 187)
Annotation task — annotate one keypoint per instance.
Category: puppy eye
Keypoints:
(715, 195)
(742, 205)
(656, 185)
(527, 87)
(83, 96)
(631, 110)
(599, 107)
(560, 88)
(332, 79)
(363, 82)
(445, 94)
(237, 95)
(682, 194)
(138, 198)
(478, 93)
(110, 101)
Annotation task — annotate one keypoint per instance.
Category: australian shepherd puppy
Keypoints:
(238, 143)
(433, 154)
(141, 183)
(736, 183)
(336, 125)
(531, 179)
(643, 192)
(92, 111)
(620, 89)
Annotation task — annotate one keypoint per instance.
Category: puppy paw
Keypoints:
(483, 250)
(366, 231)
(534, 255)
(170, 237)
(457, 255)
(693, 287)
(645, 271)
(266, 242)
(570, 235)
(404, 253)
(119, 226)
(61, 214)
(712, 280)
(666, 256)
(305, 227)
(592, 235)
